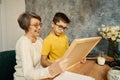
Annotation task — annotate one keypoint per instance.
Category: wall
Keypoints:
(9, 30)
(0, 25)
(86, 16)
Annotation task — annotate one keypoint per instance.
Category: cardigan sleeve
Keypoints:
(29, 70)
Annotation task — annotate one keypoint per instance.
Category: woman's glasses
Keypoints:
(36, 25)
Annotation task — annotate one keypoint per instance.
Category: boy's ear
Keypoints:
(53, 24)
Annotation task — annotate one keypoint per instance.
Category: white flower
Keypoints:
(118, 40)
(110, 32)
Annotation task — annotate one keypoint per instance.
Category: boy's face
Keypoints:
(59, 27)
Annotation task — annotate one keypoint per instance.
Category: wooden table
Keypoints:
(91, 68)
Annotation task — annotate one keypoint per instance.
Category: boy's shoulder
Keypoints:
(52, 37)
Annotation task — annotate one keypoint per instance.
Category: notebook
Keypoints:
(72, 76)
(79, 49)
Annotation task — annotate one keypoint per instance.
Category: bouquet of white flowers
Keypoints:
(110, 32)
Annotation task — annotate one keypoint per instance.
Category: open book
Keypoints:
(72, 76)
(79, 49)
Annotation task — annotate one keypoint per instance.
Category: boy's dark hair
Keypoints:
(24, 19)
(61, 16)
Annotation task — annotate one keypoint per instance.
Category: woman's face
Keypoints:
(34, 28)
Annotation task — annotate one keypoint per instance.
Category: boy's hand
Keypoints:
(83, 60)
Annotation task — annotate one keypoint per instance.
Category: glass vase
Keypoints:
(113, 49)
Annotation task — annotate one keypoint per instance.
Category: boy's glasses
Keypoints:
(61, 27)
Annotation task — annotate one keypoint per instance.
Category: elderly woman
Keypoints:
(28, 51)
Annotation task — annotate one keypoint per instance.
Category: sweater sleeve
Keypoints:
(29, 70)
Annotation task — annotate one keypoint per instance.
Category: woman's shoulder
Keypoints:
(23, 39)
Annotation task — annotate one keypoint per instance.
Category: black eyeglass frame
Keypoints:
(61, 27)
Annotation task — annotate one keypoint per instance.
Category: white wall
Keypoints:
(9, 28)
(0, 28)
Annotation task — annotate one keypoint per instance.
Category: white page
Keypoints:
(72, 76)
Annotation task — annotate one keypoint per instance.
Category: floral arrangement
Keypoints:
(110, 32)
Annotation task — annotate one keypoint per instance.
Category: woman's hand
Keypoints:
(63, 64)
(58, 67)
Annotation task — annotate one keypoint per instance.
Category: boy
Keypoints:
(56, 43)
